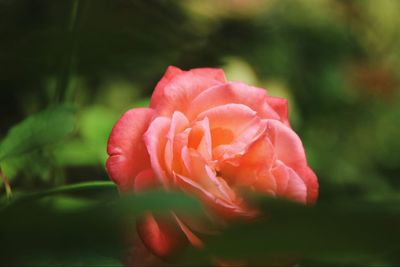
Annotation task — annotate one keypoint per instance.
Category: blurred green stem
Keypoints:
(76, 187)
(6, 184)
(72, 188)
(65, 87)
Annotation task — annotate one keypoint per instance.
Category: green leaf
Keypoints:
(354, 232)
(37, 131)
(84, 258)
(83, 188)
(69, 223)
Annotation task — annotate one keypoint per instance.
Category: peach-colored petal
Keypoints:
(183, 88)
(155, 140)
(265, 182)
(126, 149)
(221, 185)
(233, 117)
(289, 150)
(178, 123)
(252, 165)
(229, 93)
(158, 93)
(260, 153)
(162, 237)
(289, 184)
(233, 128)
(203, 181)
(200, 139)
(223, 207)
(192, 186)
(200, 173)
(180, 141)
(287, 144)
(280, 106)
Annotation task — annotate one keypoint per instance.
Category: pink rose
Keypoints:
(210, 138)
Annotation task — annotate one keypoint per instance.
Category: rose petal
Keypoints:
(233, 117)
(162, 236)
(180, 141)
(210, 73)
(181, 89)
(145, 180)
(287, 144)
(155, 140)
(158, 93)
(200, 139)
(126, 149)
(289, 150)
(289, 184)
(233, 128)
(280, 106)
(265, 182)
(221, 206)
(192, 238)
(311, 181)
(252, 165)
(229, 93)
(201, 173)
(178, 123)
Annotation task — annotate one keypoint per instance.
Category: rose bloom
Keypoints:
(212, 139)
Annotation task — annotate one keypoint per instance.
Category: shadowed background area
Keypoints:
(336, 61)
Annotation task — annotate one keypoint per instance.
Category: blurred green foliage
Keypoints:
(336, 61)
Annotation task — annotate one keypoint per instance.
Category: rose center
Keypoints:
(221, 136)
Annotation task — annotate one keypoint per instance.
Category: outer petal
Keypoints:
(146, 180)
(162, 236)
(289, 184)
(280, 106)
(211, 73)
(287, 144)
(311, 181)
(181, 89)
(126, 149)
(158, 93)
(290, 151)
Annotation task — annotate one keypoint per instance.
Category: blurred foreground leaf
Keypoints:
(90, 224)
(340, 233)
(85, 224)
(37, 131)
(90, 259)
